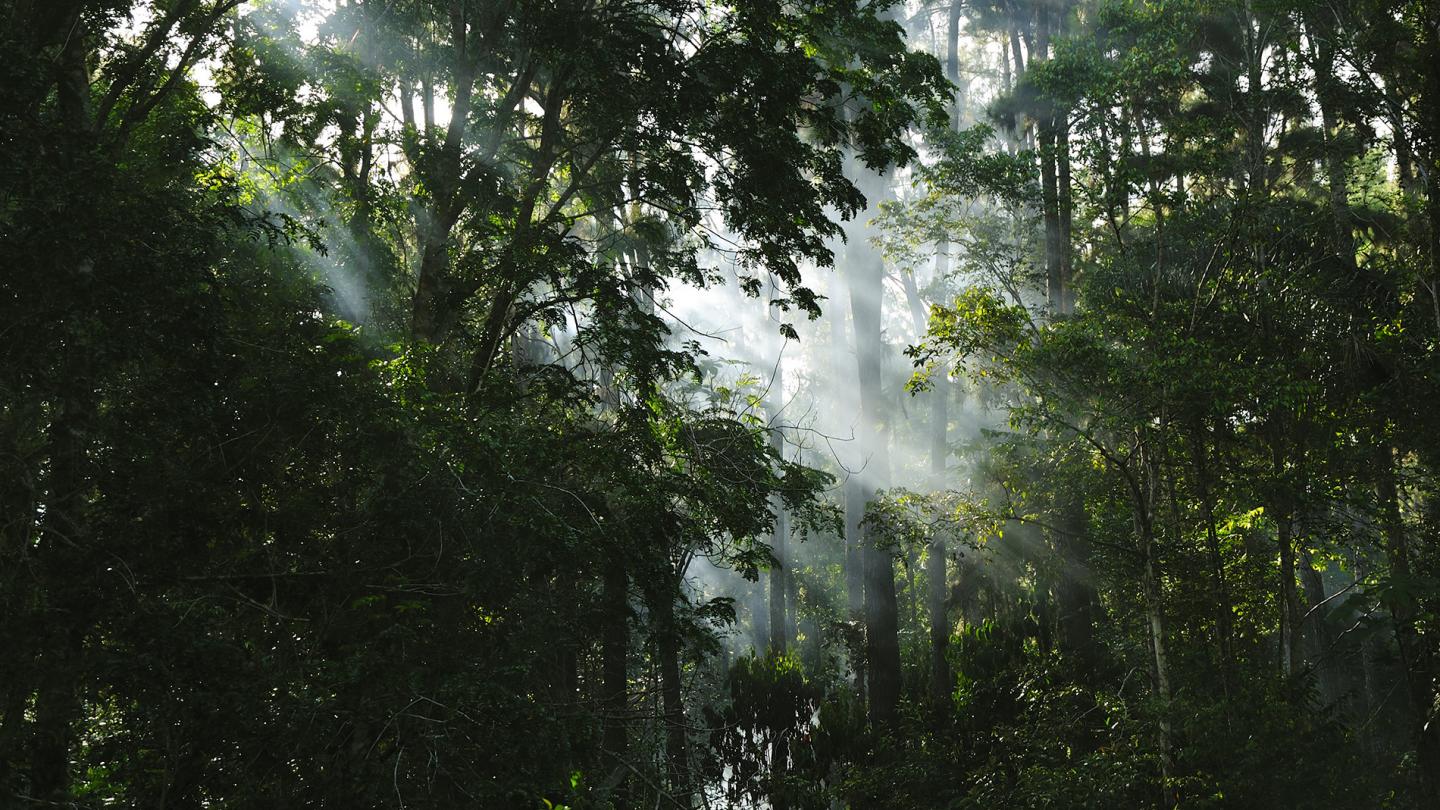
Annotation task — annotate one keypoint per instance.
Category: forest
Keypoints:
(698, 404)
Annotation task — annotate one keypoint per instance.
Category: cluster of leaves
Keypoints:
(283, 521)
(1197, 255)
(1214, 435)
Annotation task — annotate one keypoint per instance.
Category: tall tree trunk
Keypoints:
(792, 604)
(1121, 188)
(63, 557)
(1289, 598)
(434, 309)
(1079, 603)
(1320, 637)
(952, 62)
(853, 494)
(937, 583)
(1055, 249)
(867, 287)
(1222, 604)
(779, 574)
(615, 675)
(779, 625)
(1007, 83)
(1050, 212)
(19, 512)
(855, 574)
(57, 706)
(1077, 600)
(1430, 109)
(1066, 205)
(1416, 656)
(1323, 53)
(677, 755)
(759, 605)
(1145, 502)
(936, 579)
(1256, 166)
(429, 321)
(57, 709)
(936, 576)
(1283, 505)
(1021, 128)
(1155, 619)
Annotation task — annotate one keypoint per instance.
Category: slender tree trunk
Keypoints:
(779, 624)
(677, 756)
(1055, 249)
(73, 89)
(12, 721)
(936, 578)
(1121, 187)
(57, 710)
(1222, 605)
(1256, 165)
(427, 103)
(57, 704)
(1283, 505)
(792, 601)
(937, 581)
(935, 574)
(63, 558)
(855, 574)
(615, 676)
(1066, 205)
(1323, 51)
(854, 496)
(1155, 618)
(941, 680)
(1416, 656)
(779, 574)
(1076, 599)
(19, 508)
(1290, 600)
(1008, 126)
(1050, 212)
(881, 619)
(759, 606)
(779, 768)
(1017, 54)
(1430, 109)
(952, 62)
(1021, 128)
(882, 633)
(565, 655)
(1321, 637)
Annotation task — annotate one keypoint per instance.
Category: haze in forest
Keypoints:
(583, 404)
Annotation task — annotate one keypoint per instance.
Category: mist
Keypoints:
(594, 405)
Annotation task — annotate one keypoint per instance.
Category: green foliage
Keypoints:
(347, 459)
(283, 522)
(771, 712)
(1212, 433)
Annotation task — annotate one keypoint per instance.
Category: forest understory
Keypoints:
(697, 404)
